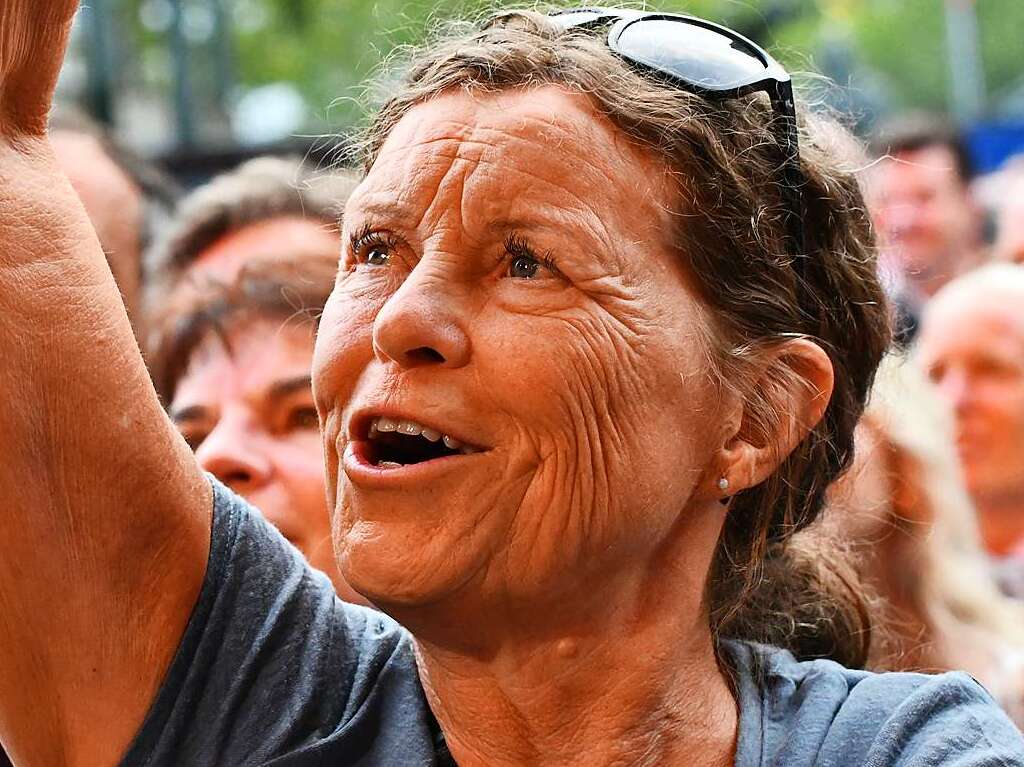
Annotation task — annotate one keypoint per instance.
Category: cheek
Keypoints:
(609, 421)
(344, 347)
(300, 466)
(1003, 404)
(299, 461)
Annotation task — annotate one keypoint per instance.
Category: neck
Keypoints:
(626, 675)
(1001, 521)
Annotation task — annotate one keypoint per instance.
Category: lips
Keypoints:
(387, 443)
(401, 442)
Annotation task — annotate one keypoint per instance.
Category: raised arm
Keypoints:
(104, 515)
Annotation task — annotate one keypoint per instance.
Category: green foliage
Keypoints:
(328, 48)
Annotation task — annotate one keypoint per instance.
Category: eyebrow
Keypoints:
(278, 390)
(191, 413)
(579, 239)
(383, 207)
(281, 389)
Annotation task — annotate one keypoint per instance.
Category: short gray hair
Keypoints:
(258, 190)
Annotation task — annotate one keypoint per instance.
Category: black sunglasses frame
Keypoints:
(776, 83)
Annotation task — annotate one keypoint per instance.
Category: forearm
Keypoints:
(103, 513)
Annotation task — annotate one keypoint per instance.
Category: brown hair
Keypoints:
(289, 289)
(257, 190)
(732, 232)
(920, 130)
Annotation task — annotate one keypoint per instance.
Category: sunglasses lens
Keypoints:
(567, 19)
(701, 56)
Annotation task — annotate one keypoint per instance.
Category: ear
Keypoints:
(785, 402)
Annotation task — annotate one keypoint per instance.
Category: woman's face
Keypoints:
(508, 279)
(246, 408)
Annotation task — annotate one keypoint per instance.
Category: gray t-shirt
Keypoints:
(274, 670)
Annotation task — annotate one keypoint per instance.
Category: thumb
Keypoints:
(33, 39)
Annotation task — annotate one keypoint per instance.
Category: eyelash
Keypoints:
(366, 238)
(303, 417)
(516, 246)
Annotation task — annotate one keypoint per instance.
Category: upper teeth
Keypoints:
(413, 429)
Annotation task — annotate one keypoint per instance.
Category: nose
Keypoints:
(419, 326)
(901, 217)
(955, 388)
(232, 454)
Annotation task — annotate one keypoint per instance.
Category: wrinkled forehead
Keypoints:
(532, 149)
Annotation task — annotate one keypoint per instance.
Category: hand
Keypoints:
(33, 38)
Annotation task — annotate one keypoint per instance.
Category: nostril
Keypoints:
(235, 477)
(424, 355)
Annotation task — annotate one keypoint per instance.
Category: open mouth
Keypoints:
(393, 443)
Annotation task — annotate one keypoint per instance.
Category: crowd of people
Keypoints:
(614, 460)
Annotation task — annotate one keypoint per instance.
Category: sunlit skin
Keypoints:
(114, 205)
(925, 217)
(246, 408)
(519, 300)
(293, 236)
(577, 543)
(102, 567)
(972, 345)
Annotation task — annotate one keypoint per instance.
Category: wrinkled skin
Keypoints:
(530, 302)
(114, 205)
(972, 345)
(589, 387)
(106, 516)
(246, 408)
(592, 493)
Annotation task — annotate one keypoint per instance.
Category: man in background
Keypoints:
(126, 198)
(972, 346)
(930, 228)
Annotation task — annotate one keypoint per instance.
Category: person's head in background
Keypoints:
(972, 346)
(929, 226)
(127, 199)
(231, 358)
(906, 516)
(265, 208)
(1009, 244)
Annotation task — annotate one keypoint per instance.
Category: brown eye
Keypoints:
(373, 248)
(194, 438)
(377, 256)
(303, 418)
(523, 268)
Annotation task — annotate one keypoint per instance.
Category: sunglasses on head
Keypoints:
(713, 61)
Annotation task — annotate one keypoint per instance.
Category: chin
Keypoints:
(394, 565)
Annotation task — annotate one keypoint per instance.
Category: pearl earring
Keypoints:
(723, 484)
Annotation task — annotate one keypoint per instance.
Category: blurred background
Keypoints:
(199, 85)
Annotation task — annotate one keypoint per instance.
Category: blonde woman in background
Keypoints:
(906, 515)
